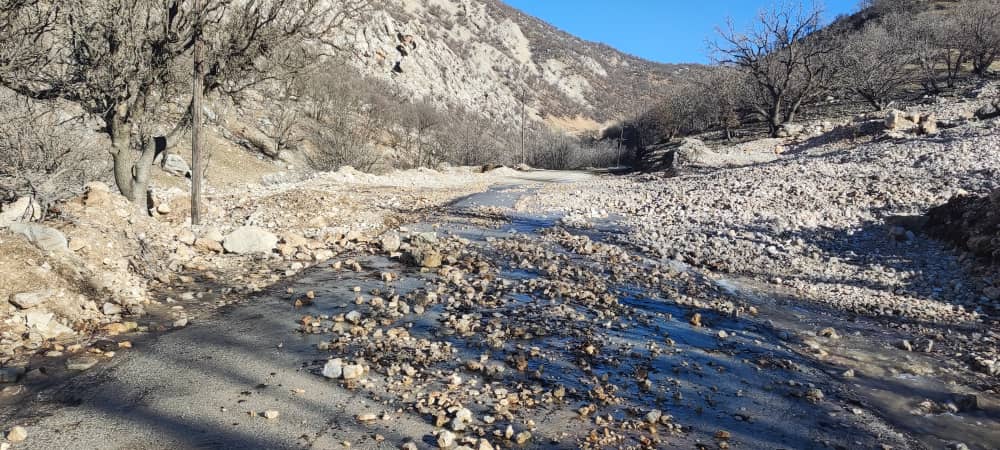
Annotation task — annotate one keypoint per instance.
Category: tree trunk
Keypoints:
(124, 160)
(774, 121)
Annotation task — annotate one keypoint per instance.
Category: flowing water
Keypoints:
(753, 385)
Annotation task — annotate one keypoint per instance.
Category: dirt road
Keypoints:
(530, 335)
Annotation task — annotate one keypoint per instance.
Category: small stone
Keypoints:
(27, 300)
(367, 417)
(353, 371)
(695, 319)
(446, 439)
(333, 369)
(270, 414)
(81, 363)
(522, 437)
(17, 434)
(111, 309)
(723, 435)
(390, 242)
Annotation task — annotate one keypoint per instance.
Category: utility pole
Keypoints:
(196, 120)
(524, 95)
(621, 137)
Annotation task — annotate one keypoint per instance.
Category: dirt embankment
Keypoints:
(970, 222)
(99, 266)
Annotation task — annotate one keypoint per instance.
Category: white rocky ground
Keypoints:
(832, 223)
(787, 302)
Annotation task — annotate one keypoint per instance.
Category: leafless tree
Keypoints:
(876, 62)
(789, 66)
(349, 113)
(120, 60)
(977, 25)
(722, 94)
(425, 117)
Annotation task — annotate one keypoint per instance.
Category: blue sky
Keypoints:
(670, 31)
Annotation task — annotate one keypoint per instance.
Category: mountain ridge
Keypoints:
(486, 55)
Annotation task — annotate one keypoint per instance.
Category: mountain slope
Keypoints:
(485, 56)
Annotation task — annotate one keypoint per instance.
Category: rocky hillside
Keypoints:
(486, 56)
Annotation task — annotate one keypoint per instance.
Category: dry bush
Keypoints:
(876, 62)
(349, 113)
(43, 154)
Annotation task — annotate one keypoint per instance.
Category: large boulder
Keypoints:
(175, 165)
(24, 209)
(250, 240)
(45, 238)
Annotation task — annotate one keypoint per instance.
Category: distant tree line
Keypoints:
(786, 61)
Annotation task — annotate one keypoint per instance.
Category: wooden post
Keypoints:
(196, 122)
(524, 95)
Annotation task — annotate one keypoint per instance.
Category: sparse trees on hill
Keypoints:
(875, 62)
(126, 61)
(787, 64)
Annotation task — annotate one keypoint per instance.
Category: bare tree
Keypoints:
(875, 62)
(977, 26)
(425, 118)
(788, 65)
(119, 60)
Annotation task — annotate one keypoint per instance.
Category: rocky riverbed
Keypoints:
(794, 303)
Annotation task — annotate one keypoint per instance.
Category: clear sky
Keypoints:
(670, 31)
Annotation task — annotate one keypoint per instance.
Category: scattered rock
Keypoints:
(333, 369)
(45, 238)
(446, 439)
(111, 309)
(27, 300)
(390, 242)
(250, 240)
(17, 434)
(353, 372)
(81, 363)
(175, 165)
